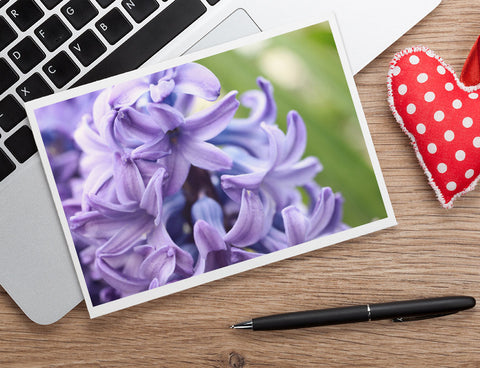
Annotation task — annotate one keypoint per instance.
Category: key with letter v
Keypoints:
(87, 48)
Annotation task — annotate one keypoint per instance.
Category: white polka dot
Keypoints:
(467, 122)
(439, 115)
(440, 69)
(421, 128)
(411, 108)
(396, 71)
(442, 168)
(422, 77)
(449, 86)
(414, 59)
(476, 142)
(460, 155)
(429, 96)
(402, 89)
(473, 96)
(449, 136)
(469, 173)
(452, 186)
(457, 104)
(432, 148)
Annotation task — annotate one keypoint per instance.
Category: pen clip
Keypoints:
(419, 318)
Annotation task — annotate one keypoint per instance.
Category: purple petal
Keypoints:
(160, 265)
(127, 93)
(210, 211)
(184, 103)
(209, 122)
(296, 225)
(276, 140)
(177, 168)
(101, 107)
(262, 104)
(128, 181)
(153, 150)
(195, 79)
(298, 174)
(204, 155)
(128, 285)
(322, 213)
(172, 205)
(107, 131)
(296, 139)
(165, 116)
(160, 238)
(88, 139)
(207, 238)
(133, 126)
(94, 225)
(269, 209)
(233, 185)
(159, 91)
(248, 228)
(109, 209)
(96, 179)
(240, 255)
(274, 240)
(154, 284)
(127, 237)
(152, 199)
(211, 248)
(335, 223)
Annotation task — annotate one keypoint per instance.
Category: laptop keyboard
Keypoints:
(49, 45)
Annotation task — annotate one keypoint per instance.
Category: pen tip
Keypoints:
(243, 325)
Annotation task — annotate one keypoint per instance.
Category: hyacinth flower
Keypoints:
(163, 190)
(282, 171)
(245, 133)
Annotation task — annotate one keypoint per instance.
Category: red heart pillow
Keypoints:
(441, 116)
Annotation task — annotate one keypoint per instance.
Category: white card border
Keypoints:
(99, 310)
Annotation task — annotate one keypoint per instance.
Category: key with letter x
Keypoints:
(33, 87)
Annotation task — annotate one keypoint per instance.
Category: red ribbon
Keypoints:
(471, 69)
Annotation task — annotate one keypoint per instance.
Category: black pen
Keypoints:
(397, 311)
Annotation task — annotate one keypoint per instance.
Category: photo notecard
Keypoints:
(212, 164)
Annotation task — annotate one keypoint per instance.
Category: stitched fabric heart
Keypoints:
(441, 116)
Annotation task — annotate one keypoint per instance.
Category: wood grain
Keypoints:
(431, 252)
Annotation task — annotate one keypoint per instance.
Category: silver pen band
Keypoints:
(369, 312)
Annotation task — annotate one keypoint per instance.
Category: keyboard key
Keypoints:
(21, 144)
(24, 13)
(140, 9)
(61, 69)
(9, 77)
(152, 37)
(6, 165)
(50, 4)
(212, 2)
(26, 54)
(113, 26)
(7, 34)
(53, 33)
(3, 2)
(33, 87)
(11, 113)
(105, 3)
(87, 48)
(79, 12)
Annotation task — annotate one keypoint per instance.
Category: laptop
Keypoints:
(51, 45)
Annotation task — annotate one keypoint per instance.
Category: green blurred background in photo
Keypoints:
(305, 70)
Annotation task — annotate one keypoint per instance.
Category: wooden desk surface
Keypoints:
(431, 252)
